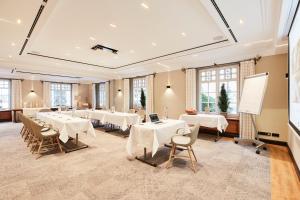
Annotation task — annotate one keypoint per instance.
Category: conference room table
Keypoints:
(120, 119)
(207, 120)
(31, 112)
(68, 126)
(151, 136)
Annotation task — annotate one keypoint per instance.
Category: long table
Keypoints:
(68, 126)
(152, 136)
(207, 120)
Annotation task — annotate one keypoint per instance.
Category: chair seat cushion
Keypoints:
(49, 133)
(181, 140)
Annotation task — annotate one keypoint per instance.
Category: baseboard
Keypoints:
(276, 142)
(294, 162)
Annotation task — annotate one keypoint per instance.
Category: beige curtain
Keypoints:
(75, 94)
(190, 88)
(247, 131)
(126, 94)
(149, 95)
(93, 96)
(107, 95)
(46, 94)
(16, 94)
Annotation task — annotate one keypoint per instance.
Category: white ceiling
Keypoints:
(68, 29)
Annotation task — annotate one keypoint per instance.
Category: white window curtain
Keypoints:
(47, 94)
(126, 95)
(16, 94)
(247, 131)
(191, 88)
(107, 95)
(74, 95)
(149, 95)
(93, 96)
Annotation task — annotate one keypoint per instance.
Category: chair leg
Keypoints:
(170, 157)
(40, 146)
(193, 166)
(21, 132)
(193, 153)
(59, 146)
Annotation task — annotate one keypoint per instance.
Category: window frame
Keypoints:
(60, 90)
(9, 93)
(218, 82)
(132, 92)
(102, 85)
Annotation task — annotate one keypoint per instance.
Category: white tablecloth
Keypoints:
(67, 125)
(32, 111)
(78, 113)
(151, 136)
(207, 120)
(123, 120)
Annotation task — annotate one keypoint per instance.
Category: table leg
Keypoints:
(72, 145)
(144, 159)
(218, 136)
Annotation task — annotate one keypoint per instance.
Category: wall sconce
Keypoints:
(31, 91)
(119, 90)
(287, 75)
(168, 86)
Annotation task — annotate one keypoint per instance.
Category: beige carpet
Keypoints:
(225, 171)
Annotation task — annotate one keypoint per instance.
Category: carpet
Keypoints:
(103, 171)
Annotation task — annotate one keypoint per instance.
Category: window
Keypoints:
(211, 81)
(61, 94)
(137, 85)
(102, 95)
(4, 94)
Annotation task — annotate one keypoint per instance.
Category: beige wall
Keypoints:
(118, 96)
(274, 116)
(36, 99)
(172, 98)
(32, 99)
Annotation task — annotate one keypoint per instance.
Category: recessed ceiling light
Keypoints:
(19, 21)
(13, 44)
(10, 56)
(77, 47)
(195, 55)
(154, 44)
(113, 25)
(241, 21)
(144, 5)
(131, 51)
(183, 34)
(92, 38)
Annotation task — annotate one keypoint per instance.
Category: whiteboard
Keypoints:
(253, 93)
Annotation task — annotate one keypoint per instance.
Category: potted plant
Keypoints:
(143, 99)
(223, 101)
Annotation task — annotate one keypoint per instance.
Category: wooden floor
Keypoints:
(285, 182)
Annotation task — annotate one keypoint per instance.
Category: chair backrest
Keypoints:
(36, 129)
(194, 133)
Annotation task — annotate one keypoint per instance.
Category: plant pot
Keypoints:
(224, 114)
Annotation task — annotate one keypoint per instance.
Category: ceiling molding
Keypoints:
(224, 20)
(36, 19)
(201, 46)
(67, 60)
(44, 74)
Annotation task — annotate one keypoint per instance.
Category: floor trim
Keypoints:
(294, 162)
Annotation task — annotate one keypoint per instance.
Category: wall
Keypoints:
(36, 99)
(32, 99)
(118, 97)
(294, 144)
(274, 116)
(173, 98)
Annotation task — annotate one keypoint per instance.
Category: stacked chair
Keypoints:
(38, 135)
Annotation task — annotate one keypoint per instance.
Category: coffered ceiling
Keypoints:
(55, 37)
